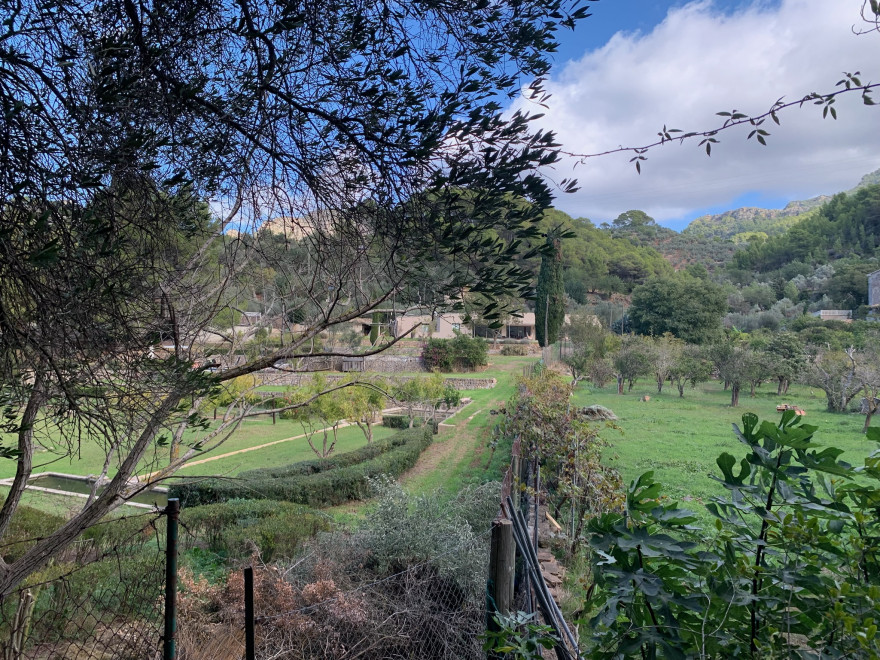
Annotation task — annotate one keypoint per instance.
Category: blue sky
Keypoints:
(636, 65)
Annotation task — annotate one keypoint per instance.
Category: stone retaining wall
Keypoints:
(274, 377)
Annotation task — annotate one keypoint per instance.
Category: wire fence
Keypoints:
(333, 605)
(101, 599)
(118, 593)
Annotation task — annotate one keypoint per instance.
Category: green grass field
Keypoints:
(680, 438)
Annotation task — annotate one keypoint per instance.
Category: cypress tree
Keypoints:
(550, 295)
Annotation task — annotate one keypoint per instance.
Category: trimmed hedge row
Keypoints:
(316, 465)
(340, 481)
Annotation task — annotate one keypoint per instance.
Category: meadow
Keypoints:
(680, 438)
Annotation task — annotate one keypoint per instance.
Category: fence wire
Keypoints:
(335, 605)
(101, 599)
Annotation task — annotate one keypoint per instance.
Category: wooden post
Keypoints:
(517, 479)
(249, 645)
(502, 559)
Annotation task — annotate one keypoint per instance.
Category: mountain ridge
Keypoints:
(739, 225)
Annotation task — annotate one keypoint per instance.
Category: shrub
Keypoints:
(514, 349)
(327, 482)
(403, 530)
(27, 525)
(789, 570)
(276, 529)
(464, 353)
(400, 421)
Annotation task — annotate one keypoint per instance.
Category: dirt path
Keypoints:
(456, 443)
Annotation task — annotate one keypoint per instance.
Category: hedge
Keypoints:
(235, 527)
(328, 482)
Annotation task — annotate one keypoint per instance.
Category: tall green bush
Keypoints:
(462, 353)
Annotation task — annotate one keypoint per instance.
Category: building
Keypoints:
(874, 289)
(834, 314)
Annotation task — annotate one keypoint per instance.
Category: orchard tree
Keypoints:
(363, 405)
(735, 363)
(371, 136)
(687, 308)
(691, 366)
(838, 374)
(667, 350)
(787, 359)
(633, 359)
(590, 344)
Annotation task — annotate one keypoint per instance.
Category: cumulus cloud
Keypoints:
(698, 61)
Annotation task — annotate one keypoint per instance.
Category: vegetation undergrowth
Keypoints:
(789, 570)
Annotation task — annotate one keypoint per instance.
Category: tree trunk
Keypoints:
(632, 381)
(660, 385)
(620, 384)
(680, 386)
(753, 390)
(785, 388)
(734, 395)
(780, 390)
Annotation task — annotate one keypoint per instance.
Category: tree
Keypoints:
(590, 343)
(632, 360)
(836, 373)
(550, 294)
(787, 359)
(735, 362)
(667, 350)
(687, 308)
(372, 137)
(363, 406)
(869, 374)
(427, 393)
(691, 366)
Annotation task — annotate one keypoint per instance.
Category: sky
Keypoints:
(637, 65)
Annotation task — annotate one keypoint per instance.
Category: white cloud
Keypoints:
(697, 62)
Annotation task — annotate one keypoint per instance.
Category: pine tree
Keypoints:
(550, 295)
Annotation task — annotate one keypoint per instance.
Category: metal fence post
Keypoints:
(169, 648)
(249, 645)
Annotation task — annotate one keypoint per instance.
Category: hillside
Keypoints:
(739, 225)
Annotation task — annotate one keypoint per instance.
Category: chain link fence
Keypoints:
(100, 599)
(329, 604)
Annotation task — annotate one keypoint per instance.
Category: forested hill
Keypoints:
(846, 227)
(740, 225)
(634, 248)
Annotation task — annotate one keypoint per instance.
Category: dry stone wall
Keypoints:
(274, 377)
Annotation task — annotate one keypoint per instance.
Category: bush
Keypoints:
(27, 525)
(514, 349)
(464, 353)
(401, 421)
(277, 529)
(790, 568)
(327, 482)
(395, 421)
